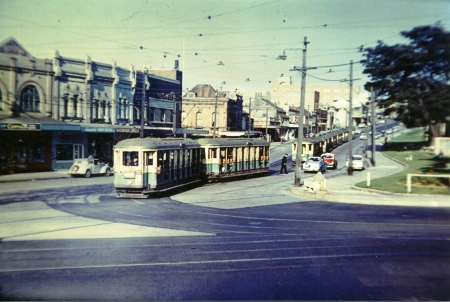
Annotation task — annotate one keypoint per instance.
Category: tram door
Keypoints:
(149, 169)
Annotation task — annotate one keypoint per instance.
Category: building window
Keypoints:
(183, 119)
(199, 120)
(213, 119)
(29, 99)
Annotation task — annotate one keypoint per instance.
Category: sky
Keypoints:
(229, 44)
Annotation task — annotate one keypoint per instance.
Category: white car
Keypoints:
(315, 164)
(362, 136)
(357, 162)
(89, 166)
(362, 125)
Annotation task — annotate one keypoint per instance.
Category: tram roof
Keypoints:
(233, 142)
(156, 143)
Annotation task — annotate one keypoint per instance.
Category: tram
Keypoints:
(145, 166)
(234, 157)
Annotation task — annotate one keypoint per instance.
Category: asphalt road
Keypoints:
(71, 239)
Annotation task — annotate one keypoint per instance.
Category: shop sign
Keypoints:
(17, 126)
(127, 130)
(98, 129)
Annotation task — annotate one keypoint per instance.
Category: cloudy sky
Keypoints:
(246, 36)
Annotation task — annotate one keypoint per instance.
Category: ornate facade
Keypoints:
(54, 110)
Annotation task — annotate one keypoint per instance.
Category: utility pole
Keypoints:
(298, 163)
(267, 117)
(372, 98)
(249, 117)
(145, 85)
(215, 117)
(350, 124)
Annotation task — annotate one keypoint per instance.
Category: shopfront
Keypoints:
(24, 147)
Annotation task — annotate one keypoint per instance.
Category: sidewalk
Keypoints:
(34, 176)
(342, 189)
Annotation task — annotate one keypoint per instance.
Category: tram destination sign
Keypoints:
(18, 126)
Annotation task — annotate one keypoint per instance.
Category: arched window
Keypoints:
(199, 121)
(29, 99)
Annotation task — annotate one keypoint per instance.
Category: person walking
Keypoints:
(283, 164)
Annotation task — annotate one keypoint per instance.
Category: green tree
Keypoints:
(413, 79)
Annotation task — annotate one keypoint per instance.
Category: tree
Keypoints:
(413, 79)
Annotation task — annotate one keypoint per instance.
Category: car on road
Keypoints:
(89, 166)
(330, 160)
(389, 131)
(363, 135)
(315, 164)
(361, 125)
(357, 162)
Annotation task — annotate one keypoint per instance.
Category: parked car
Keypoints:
(389, 131)
(315, 164)
(361, 125)
(363, 135)
(330, 160)
(382, 121)
(357, 162)
(88, 167)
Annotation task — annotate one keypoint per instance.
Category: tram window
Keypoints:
(130, 158)
(149, 158)
(213, 153)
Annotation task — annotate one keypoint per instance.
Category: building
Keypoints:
(268, 118)
(199, 111)
(55, 110)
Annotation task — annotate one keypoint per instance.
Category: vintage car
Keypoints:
(330, 160)
(315, 164)
(89, 166)
(357, 162)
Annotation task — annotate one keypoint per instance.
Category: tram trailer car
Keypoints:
(145, 166)
(234, 157)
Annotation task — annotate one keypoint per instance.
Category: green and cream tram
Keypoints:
(233, 157)
(143, 166)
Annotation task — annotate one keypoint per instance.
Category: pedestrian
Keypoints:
(283, 164)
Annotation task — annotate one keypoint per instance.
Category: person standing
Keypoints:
(284, 164)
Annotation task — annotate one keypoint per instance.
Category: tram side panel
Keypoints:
(226, 158)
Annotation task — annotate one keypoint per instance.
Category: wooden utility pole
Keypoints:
(372, 99)
(298, 163)
(145, 85)
(350, 124)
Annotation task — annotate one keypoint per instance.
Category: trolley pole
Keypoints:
(298, 160)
